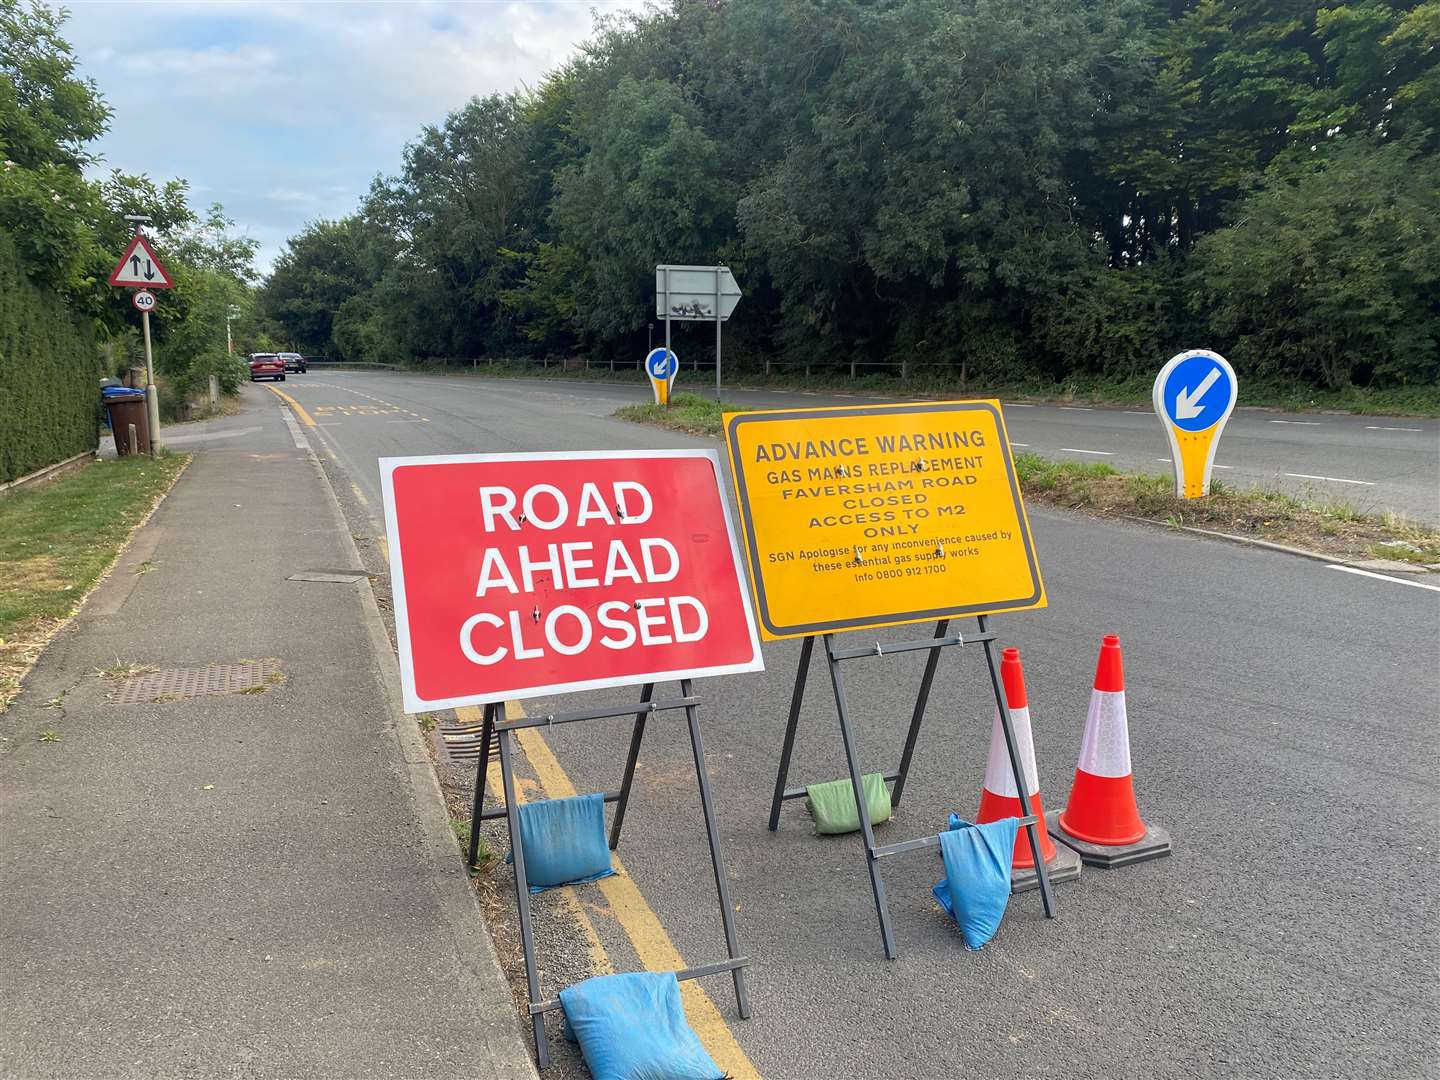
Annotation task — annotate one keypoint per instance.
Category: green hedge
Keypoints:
(49, 375)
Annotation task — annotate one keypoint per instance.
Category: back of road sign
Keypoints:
(1194, 395)
(874, 515)
(689, 293)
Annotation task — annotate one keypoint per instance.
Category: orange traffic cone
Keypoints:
(1102, 821)
(999, 797)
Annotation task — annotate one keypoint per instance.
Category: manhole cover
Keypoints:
(176, 683)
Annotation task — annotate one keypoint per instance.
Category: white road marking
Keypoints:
(1383, 577)
(1075, 408)
(1025, 444)
(1298, 423)
(1164, 459)
(301, 443)
(1223, 466)
(1371, 427)
(1332, 479)
(1075, 450)
(1016, 405)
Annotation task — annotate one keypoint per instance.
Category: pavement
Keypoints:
(254, 884)
(1283, 720)
(1376, 464)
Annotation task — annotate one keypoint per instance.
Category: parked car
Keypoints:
(293, 362)
(266, 365)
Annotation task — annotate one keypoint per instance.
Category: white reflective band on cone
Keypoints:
(999, 777)
(1105, 750)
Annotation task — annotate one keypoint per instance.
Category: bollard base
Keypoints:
(1153, 845)
(1064, 867)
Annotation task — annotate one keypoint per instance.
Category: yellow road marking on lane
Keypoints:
(641, 925)
(305, 417)
(599, 958)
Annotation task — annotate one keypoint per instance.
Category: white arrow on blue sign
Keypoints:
(662, 364)
(1196, 390)
(1194, 395)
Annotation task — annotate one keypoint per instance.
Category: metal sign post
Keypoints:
(152, 396)
(139, 268)
(718, 321)
(697, 294)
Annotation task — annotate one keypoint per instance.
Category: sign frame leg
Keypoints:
(646, 693)
(877, 883)
(717, 860)
(487, 732)
(797, 697)
(522, 890)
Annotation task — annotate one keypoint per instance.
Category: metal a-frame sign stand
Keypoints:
(457, 524)
(875, 852)
(497, 726)
(864, 516)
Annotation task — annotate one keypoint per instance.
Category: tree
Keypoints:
(1333, 276)
(319, 270)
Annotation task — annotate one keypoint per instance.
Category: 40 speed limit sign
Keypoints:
(143, 301)
(520, 575)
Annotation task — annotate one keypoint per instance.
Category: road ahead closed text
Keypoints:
(522, 575)
(880, 514)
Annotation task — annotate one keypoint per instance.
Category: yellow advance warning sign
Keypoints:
(874, 515)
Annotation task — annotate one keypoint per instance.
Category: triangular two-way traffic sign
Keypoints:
(139, 267)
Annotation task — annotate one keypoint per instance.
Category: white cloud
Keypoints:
(284, 111)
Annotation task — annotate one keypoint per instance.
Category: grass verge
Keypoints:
(58, 540)
(1331, 528)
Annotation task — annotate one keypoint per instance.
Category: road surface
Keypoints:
(1373, 463)
(1283, 719)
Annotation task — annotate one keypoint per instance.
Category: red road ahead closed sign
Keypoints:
(519, 575)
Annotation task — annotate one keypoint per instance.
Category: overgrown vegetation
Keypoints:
(63, 228)
(974, 193)
(55, 542)
(49, 369)
(1330, 527)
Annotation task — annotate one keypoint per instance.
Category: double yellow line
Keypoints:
(636, 917)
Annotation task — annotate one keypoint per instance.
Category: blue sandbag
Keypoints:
(564, 841)
(633, 1027)
(976, 886)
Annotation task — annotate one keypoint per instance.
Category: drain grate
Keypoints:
(177, 683)
(462, 742)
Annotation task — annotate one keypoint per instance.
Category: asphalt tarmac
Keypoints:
(1283, 728)
(1376, 464)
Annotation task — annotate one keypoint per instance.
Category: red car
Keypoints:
(266, 365)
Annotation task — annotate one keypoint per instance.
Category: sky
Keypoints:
(284, 112)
